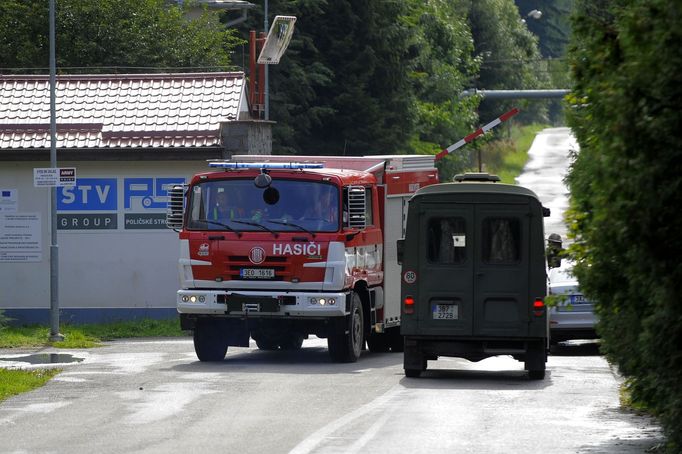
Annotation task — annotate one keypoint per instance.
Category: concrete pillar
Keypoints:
(246, 137)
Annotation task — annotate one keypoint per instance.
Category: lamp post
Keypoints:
(267, 70)
(54, 248)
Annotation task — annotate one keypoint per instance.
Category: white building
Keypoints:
(129, 137)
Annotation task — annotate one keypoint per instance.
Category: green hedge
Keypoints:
(626, 187)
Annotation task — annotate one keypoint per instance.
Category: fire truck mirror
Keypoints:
(271, 196)
(400, 247)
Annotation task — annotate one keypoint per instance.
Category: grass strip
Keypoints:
(14, 381)
(89, 335)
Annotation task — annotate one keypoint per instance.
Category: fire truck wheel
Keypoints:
(397, 341)
(346, 348)
(266, 344)
(378, 342)
(209, 342)
(291, 342)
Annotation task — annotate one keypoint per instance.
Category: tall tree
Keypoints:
(554, 27)
(444, 68)
(626, 190)
(344, 84)
(510, 58)
(372, 77)
(111, 33)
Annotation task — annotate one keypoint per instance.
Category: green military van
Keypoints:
(473, 274)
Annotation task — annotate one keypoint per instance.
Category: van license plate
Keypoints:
(445, 312)
(578, 299)
(257, 273)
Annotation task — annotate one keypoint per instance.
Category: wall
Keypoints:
(116, 258)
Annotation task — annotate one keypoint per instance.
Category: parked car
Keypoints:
(573, 317)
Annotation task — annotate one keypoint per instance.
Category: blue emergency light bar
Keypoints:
(265, 165)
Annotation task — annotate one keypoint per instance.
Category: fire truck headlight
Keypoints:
(202, 298)
(185, 299)
(193, 299)
(322, 301)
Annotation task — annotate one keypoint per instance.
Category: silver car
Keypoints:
(573, 317)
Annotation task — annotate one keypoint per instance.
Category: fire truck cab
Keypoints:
(276, 250)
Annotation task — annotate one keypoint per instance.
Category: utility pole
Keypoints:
(267, 70)
(54, 248)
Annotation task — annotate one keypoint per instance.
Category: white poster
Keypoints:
(20, 237)
(9, 199)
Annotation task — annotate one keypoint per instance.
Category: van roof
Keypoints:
(475, 188)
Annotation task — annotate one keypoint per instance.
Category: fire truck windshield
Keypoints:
(302, 205)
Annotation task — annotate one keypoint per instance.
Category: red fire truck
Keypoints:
(277, 250)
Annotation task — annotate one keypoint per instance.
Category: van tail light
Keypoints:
(408, 305)
(538, 307)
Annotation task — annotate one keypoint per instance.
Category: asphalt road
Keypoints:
(154, 396)
(547, 166)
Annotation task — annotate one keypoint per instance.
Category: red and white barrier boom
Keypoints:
(478, 132)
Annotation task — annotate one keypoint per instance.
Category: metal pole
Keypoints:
(517, 94)
(267, 90)
(54, 248)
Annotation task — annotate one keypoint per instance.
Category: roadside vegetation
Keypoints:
(504, 153)
(507, 156)
(625, 186)
(13, 382)
(87, 336)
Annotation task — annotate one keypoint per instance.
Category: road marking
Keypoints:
(314, 440)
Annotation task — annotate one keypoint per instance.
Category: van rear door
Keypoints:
(473, 270)
(446, 270)
(501, 263)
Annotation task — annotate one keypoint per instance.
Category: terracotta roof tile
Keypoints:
(148, 110)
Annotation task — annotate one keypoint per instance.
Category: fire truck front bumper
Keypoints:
(240, 303)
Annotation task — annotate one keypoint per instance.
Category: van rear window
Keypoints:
(501, 240)
(447, 240)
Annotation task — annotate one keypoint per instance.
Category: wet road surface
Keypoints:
(154, 396)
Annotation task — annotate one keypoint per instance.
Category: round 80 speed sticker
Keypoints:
(410, 277)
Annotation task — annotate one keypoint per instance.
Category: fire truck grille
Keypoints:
(235, 264)
(244, 259)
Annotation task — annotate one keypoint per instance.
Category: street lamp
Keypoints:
(533, 14)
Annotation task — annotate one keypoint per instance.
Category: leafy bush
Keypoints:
(626, 191)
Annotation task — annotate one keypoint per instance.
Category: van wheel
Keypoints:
(346, 347)
(413, 373)
(209, 341)
(536, 374)
(291, 342)
(536, 357)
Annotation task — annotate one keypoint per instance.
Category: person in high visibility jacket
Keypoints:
(223, 210)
